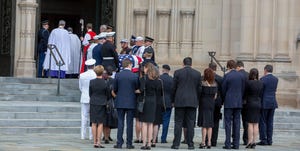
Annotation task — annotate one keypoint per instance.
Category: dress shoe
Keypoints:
(253, 146)
(183, 142)
(226, 147)
(191, 147)
(136, 141)
(202, 146)
(153, 145)
(174, 147)
(249, 145)
(106, 141)
(234, 147)
(118, 146)
(130, 147)
(110, 139)
(261, 143)
(100, 146)
(163, 142)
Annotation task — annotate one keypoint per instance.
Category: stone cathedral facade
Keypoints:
(258, 32)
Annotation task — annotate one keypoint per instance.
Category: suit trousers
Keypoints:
(215, 129)
(129, 126)
(165, 124)
(232, 115)
(187, 114)
(266, 126)
(85, 121)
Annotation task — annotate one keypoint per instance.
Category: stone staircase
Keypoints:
(30, 105)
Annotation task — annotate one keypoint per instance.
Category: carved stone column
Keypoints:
(282, 24)
(197, 34)
(248, 23)
(162, 27)
(140, 16)
(26, 62)
(265, 31)
(174, 51)
(226, 30)
(187, 18)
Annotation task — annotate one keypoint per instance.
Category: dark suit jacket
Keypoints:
(98, 91)
(269, 91)
(233, 88)
(125, 85)
(246, 77)
(218, 101)
(97, 54)
(168, 85)
(186, 88)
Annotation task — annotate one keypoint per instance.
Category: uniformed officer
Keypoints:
(109, 53)
(149, 48)
(84, 83)
(43, 36)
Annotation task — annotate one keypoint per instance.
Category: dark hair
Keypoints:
(209, 75)
(187, 61)
(126, 62)
(240, 63)
(213, 66)
(152, 71)
(269, 68)
(109, 70)
(253, 75)
(231, 64)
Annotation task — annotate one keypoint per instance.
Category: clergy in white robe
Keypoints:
(59, 37)
(75, 50)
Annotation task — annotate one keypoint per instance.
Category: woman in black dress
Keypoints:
(152, 89)
(207, 106)
(254, 88)
(98, 91)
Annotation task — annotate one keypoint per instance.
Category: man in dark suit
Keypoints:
(218, 106)
(233, 87)
(240, 68)
(185, 96)
(167, 88)
(43, 36)
(269, 104)
(125, 85)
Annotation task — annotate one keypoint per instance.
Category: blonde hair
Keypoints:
(99, 70)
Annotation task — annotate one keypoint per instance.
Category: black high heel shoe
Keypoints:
(253, 145)
(202, 146)
(249, 145)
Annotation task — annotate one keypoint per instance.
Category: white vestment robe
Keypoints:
(59, 37)
(75, 57)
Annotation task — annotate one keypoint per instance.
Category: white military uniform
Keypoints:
(84, 83)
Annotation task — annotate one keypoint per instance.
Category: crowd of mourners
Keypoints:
(129, 84)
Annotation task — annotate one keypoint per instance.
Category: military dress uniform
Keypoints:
(84, 83)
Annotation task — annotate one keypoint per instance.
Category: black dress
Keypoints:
(98, 92)
(253, 100)
(150, 107)
(207, 105)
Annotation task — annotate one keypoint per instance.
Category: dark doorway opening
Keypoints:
(7, 24)
(96, 12)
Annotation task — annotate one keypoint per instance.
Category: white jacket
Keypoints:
(84, 84)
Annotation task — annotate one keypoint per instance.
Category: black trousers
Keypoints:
(215, 129)
(188, 115)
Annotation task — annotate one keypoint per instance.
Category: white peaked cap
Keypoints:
(90, 62)
(110, 34)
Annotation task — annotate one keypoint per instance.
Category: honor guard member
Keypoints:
(148, 47)
(109, 53)
(84, 83)
(43, 36)
(132, 41)
(97, 49)
(124, 45)
(139, 42)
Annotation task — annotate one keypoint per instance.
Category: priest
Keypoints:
(75, 50)
(61, 39)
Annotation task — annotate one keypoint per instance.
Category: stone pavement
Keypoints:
(71, 142)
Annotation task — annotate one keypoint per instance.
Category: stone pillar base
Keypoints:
(25, 68)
